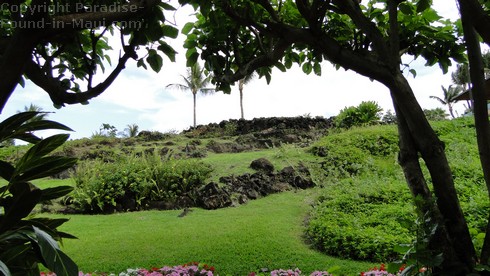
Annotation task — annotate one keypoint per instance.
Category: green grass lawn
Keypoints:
(225, 164)
(265, 233)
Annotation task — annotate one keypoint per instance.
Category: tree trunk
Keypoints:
(408, 159)
(240, 88)
(432, 151)
(451, 112)
(194, 98)
(482, 126)
(12, 63)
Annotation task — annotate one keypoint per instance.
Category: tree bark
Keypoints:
(480, 105)
(194, 98)
(12, 63)
(240, 88)
(432, 151)
(408, 159)
(15, 54)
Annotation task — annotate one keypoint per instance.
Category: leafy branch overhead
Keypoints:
(237, 38)
(258, 35)
(61, 45)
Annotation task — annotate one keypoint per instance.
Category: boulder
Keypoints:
(262, 165)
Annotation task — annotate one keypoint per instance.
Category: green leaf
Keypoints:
(27, 137)
(167, 50)
(39, 150)
(422, 5)
(14, 253)
(25, 198)
(317, 69)
(191, 56)
(187, 28)
(49, 222)
(170, 31)
(141, 63)
(394, 267)
(4, 269)
(154, 60)
(54, 258)
(413, 72)
(6, 170)
(46, 166)
(43, 125)
(406, 8)
(280, 66)
(9, 125)
(307, 68)
(55, 192)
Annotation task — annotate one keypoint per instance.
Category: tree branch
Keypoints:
(479, 18)
(352, 9)
(60, 96)
(79, 21)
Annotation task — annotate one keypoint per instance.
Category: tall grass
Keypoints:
(264, 234)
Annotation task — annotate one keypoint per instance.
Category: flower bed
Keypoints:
(197, 269)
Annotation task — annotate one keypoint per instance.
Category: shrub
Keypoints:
(130, 182)
(365, 113)
(436, 114)
(101, 186)
(375, 204)
(353, 220)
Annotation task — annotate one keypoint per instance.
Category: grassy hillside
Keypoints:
(365, 208)
(359, 212)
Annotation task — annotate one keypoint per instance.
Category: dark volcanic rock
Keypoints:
(213, 197)
(263, 165)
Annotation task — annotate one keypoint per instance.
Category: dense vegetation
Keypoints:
(360, 210)
(365, 209)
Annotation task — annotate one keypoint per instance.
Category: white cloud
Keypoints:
(140, 97)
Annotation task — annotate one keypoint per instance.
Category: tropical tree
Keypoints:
(40, 114)
(196, 82)
(132, 130)
(368, 37)
(61, 46)
(449, 97)
(241, 84)
(476, 23)
(461, 77)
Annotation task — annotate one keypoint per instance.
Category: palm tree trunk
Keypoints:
(240, 88)
(450, 107)
(194, 97)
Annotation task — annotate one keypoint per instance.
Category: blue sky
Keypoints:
(140, 97)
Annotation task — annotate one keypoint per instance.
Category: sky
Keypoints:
(141, 97)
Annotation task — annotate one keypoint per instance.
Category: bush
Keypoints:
(179, 178)
(350, 153)
(131, 182)
(366, 211)
(353, 220)
(366, 113)
(436, 114)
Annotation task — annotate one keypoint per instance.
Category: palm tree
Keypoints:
(195, 81)
(132, 130)
(32, 107)
(241, 83)
(450, 95)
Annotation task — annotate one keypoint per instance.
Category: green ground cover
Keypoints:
(265, 233)
(361, 210)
